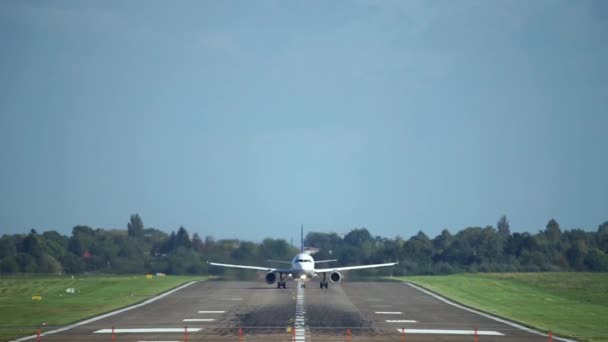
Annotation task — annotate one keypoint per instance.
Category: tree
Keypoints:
(8, 246)
(553, 232)
(596, 260)
(504, 230)
(419, 248)
(602, 236)
(9, 265)
(135, 227)
(182, 239)
(197, 243)
(357, 237)
(441, 243)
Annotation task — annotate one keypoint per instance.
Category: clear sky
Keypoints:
(245, 119)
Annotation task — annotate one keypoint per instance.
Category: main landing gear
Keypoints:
(324, 283)
(281, 283)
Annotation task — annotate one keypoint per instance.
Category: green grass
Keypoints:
(569, 304)
(20, 315)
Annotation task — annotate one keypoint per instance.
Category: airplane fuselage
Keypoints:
(303, 266)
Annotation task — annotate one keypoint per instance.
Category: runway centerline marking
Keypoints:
(145, 330)
(400, 321)
(451, 332)
(299, 324)
(209, 312)
(199, 320)
(389, 312)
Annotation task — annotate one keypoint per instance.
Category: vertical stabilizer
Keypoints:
(302, 239)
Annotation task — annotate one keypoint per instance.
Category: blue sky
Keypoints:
(248, 118)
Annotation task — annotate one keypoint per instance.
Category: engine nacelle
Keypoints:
(271, 278)
(335, 277)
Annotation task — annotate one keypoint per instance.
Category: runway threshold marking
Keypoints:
(400, 321)
(389, 312)
(145, 330)
(483, 314)
(451, 332)
(109, 314)
(210, 312)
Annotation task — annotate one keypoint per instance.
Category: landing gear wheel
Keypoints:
(284, 285)
(324, 281)
(281, 283)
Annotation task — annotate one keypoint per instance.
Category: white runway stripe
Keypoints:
(451, 332)
(300, 331)
(146, 330)
(389, 312)
(157, 341)
(483, 314)
(400, 321)
(87, 321)
(199, 319)
(211, 311)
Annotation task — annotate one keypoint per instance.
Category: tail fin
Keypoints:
(302, 239)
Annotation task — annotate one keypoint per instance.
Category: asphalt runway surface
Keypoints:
(350, 311)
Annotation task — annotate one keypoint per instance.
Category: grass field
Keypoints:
(569, 304)
(20, 314)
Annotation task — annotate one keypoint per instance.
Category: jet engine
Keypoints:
(335, 277)
(271, 277)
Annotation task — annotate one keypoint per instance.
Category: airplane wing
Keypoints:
(257, 268)
(280, 261)
(347, 268)
(321, 261)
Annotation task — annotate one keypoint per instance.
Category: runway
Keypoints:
(254, 311)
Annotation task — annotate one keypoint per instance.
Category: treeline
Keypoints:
(473, 249)
(134, 250)
(148, 250)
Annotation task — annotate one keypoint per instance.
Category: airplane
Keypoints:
(303, 267)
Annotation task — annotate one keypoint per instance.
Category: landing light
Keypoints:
(303, 277)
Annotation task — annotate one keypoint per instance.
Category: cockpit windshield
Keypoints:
(302, 260)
